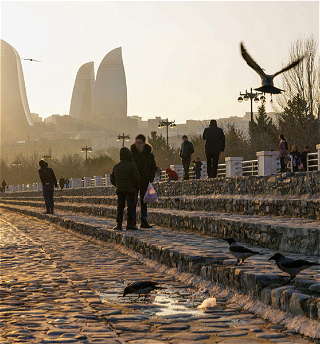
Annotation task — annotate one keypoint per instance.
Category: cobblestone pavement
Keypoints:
(56, 287)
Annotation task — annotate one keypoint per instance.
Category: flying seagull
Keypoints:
(240, 252)
(32, 60)
(291, 266)
(266, 79)
(140, 288)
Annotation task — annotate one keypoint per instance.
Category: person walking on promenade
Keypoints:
(49, 181)
(3, 184)
(304, 157)
(283, 148)
(215, 144)
(144, 159)
(67, 183)
(186, 151)
(125, 177)
(62, 181)
(296, 159)
(172, 175)
(197, 168)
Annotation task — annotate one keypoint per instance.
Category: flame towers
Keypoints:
(102, 101)
(15, 118)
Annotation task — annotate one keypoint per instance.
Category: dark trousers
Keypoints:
(198, 174)
(212, 165)
(47, 190)
(144, 208)
(282, 164)
(186, 165)
(122, 197)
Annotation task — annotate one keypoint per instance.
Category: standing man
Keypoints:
(49, 181)
(3, 184)
(215, 144)
(185, 153)
(144, 159)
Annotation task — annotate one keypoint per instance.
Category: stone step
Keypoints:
(295, 235)
(204, 256)
(245, 204)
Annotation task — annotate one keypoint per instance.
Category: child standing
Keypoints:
(125, 177)
(197, 168)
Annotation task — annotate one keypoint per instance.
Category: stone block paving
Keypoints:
(58, 287)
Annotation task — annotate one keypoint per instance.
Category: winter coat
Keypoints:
(47, 176)
(145, 163)
(125, 176)
(198, 165)
(186, 150)
(296, 160)
(283, 148)
(215, 140)
(171, 174)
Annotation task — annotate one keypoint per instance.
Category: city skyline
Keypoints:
(199, 64)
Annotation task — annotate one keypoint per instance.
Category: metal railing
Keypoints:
(312, 161)
(249, 168)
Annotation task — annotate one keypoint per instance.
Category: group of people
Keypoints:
(299, 160)
(64, 182)
(214, 146)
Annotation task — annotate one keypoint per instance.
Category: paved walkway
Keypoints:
(56, 287)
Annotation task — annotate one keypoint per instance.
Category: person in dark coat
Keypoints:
(215, 144)
(62, 181)
(304, 157)
(3, 184)
(295, 158)
(49, 181)
(197, 168)
(125, 177)
(185, 153)
(283, 148)
(144, 159)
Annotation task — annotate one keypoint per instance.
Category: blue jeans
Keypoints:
(122, 197)
(47, 190)
(144, 208)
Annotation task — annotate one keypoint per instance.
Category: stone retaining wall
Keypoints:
(281, 184)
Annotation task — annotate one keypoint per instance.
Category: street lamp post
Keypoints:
(253, 96)
(86, 149)
(168, 124)
(18, 164)
(123, 137)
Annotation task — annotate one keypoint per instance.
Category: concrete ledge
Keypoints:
(244, 280)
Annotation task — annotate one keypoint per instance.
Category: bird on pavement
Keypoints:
(291, 266)
(240, 252)
(32, 60)
(140, 288)
(266, 79)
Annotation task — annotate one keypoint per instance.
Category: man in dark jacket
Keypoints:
(185, 152)
(125, 177)
(49, 181)
(3, 184)
(144, 159)
(215, 144)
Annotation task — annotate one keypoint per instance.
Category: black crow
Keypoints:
(240, 252)
(140, 288)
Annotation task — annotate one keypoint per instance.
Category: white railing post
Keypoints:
(75, 183)
(268, 162)
(86, 182)
(108, 181)
(97, 180)
(233, 166)
(318, 150)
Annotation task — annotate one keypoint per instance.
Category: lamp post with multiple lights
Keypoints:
(123, 137)
(86, 149)
(253, 96)
(17, 163)
(168, 124)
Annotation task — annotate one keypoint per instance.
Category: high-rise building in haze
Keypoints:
(82, 95)
(110, 96)
(15, 117)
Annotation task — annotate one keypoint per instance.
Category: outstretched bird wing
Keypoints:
(253, 64)
(291, 65)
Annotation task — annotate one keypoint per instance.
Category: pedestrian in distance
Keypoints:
(215, 145)
(49, 181)
(67, 183)
(144, 159)
(304, 157)
(296, 159)
(197, 168)
(283, 149)
(172, 175)
(125, 177)
(62, 182)
(186, 151)
(3, 184)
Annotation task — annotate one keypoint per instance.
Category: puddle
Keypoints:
(168, 302)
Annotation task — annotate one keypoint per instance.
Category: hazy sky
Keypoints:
(181, 59)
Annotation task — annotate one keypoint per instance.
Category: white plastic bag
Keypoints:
(151, 195)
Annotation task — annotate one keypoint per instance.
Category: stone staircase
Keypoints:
(192, 218)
